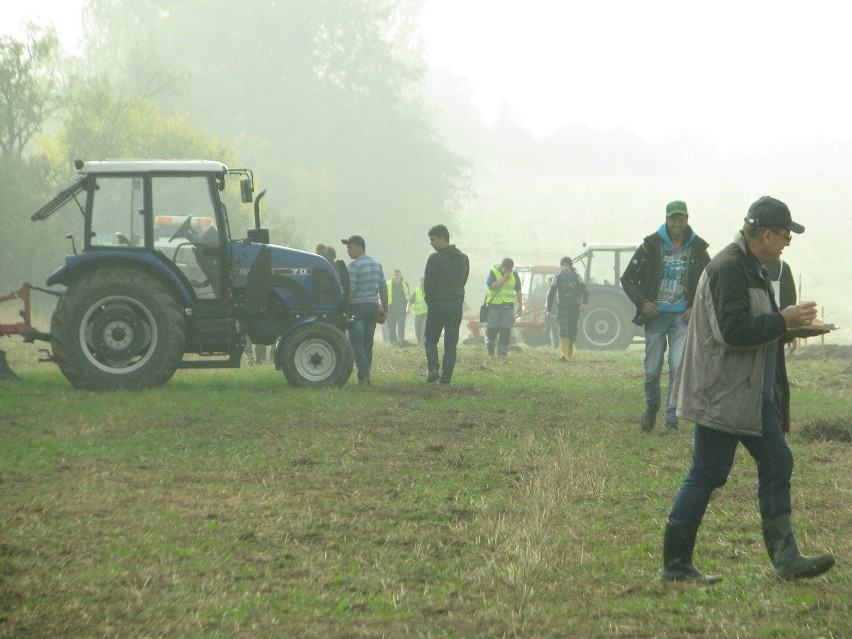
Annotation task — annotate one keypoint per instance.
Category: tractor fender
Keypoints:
(78, 265)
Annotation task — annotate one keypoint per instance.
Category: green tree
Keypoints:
(30, 91)
(322, 98)
(30, 82)
(98, 122)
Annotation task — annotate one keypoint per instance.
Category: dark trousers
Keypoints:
(396, 323)
(568, 317)
(713, 458)
(446, 317)
(420, 328)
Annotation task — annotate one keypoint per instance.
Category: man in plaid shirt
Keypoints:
(368, 302)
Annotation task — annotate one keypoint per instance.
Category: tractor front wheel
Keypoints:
(117, 329)
(317, 355)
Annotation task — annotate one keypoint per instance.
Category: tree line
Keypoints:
(322, 99)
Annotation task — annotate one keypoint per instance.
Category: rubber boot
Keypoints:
(784, 551)
(649, 418)
(672, 429)
(678, 544)
(565, 347)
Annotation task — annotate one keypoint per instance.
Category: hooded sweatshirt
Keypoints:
(671, 297)
(446, 274)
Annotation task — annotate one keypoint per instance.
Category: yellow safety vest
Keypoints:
(507, 294)
(404, 288)
(419, 305)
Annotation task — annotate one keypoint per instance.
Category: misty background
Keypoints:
(526, 129)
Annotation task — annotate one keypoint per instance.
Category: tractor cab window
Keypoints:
(605, 266)
(601, 269)
(535, 291)
(185, 230)
(117, 209)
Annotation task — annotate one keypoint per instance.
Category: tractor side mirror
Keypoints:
(246, 189)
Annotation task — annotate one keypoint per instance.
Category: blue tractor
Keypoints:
(160, 284)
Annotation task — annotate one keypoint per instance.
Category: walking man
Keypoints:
(504, 291)
(417, 306)
(443, 288)
(660, 280)
(571, 296)
(369, 303)
(733, 385)
(398, 294)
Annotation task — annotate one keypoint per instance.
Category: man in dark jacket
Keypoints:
(733, 386)
(661, 280)
(443, 288)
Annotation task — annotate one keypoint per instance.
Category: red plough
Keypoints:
(23, 328)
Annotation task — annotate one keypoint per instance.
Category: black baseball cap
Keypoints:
(767, 211)
(354, 239)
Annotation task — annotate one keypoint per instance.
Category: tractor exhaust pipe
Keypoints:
(7, 373)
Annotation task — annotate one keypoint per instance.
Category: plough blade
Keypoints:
(7, 373)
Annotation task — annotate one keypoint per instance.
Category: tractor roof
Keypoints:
(153, 166)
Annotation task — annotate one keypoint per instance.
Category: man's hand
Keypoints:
(582, 307)
(799, 315)
(650, 310)
(687, 315)
(383, 313)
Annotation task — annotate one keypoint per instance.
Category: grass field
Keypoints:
(521, 501)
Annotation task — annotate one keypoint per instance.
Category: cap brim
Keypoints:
(345, 241)
(796, 228)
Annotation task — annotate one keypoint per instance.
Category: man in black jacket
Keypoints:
(443, 288)
(661, 280)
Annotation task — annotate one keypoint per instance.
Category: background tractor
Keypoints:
(159, 283)
(606, 324)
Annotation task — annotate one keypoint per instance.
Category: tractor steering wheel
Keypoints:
(185, 230)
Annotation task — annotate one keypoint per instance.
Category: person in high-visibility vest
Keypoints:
(417, 306)
(398, 294)
(505, 300)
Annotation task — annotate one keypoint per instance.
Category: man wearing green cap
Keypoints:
(661, 280)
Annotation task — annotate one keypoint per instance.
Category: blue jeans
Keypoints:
(446, 317)
(667, 330)
(713, 457)
(361, 335)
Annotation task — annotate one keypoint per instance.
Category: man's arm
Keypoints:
(551, 295)
(633, 278)
(352, 268)
(732, 306)
(498, 283)
(518, 293)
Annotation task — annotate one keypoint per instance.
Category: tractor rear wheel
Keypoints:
(606, 325)
(317, 355)
(117, 329)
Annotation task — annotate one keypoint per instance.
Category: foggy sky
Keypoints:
(741, 76)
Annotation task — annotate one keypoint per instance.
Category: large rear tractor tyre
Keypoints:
(317, 355)
(117, 330)
(606, 325)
